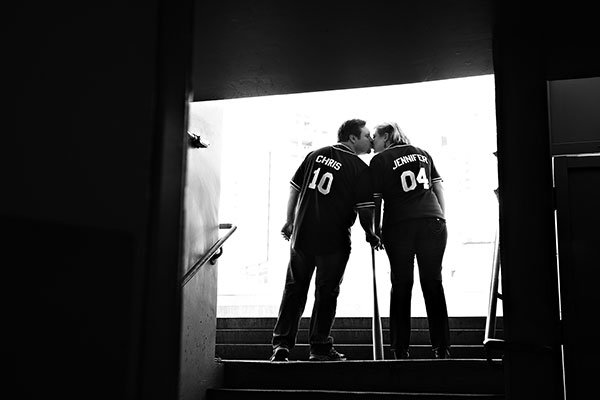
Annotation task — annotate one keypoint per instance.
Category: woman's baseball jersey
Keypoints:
(403, 176)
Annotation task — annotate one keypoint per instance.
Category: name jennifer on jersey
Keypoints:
(398, 162)
(328, 162)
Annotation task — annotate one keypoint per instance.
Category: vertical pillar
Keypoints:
(528, 254)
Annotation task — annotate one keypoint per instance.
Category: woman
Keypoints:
(405, 177)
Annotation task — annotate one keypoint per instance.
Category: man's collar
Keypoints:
(345, 146)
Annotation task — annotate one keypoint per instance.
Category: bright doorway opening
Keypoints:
(266, 138)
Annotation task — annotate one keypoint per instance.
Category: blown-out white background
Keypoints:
(265, 139)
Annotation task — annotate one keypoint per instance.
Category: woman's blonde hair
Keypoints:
(395, 134)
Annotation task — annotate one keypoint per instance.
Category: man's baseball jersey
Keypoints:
(333, 183)
(403, 175)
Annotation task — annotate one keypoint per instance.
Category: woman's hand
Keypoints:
(374, 241)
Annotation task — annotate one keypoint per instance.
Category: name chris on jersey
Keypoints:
(329, 162)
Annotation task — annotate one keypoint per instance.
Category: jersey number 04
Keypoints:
(409, 182)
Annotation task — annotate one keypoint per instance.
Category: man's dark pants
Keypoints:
(330, 271)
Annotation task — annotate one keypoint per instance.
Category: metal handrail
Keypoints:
(489, 341)
(211, 255)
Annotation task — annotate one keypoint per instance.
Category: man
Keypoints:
(327, 190)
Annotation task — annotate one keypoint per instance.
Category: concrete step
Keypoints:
(263, 394)
(353, 323)
(448, 376)
(352, 351)
(347, 336)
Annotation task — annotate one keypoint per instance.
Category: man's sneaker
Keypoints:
(441, 352)
(281, 354)
(332, 355)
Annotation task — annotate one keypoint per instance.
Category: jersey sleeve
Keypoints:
(376, 176)
(298, 177)
(364, 191)
(435, 176)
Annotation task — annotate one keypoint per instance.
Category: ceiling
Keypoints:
(269, 47)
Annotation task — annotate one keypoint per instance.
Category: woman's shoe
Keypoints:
(401, 354)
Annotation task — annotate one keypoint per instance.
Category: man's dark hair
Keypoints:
(350, 127)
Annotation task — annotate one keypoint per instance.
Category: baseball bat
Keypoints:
(376, 325)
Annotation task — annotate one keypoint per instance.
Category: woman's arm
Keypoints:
(438, 189)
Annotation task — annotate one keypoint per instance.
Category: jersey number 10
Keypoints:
(324, 185)
(409, 182)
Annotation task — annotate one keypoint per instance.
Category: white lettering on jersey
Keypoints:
(329, 162)
(324, 185)
(398, 162)
(409, 181)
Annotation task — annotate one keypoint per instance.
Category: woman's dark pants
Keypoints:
(425, 239)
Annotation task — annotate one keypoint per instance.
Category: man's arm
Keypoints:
(438, 189)
(288, 227)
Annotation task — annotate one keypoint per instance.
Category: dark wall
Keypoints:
(533, 45)
(91, 164)
(529, 279)
(578, 178)
(570, 37)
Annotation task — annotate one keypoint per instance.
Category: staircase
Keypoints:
(250, 338)
(243, 348)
